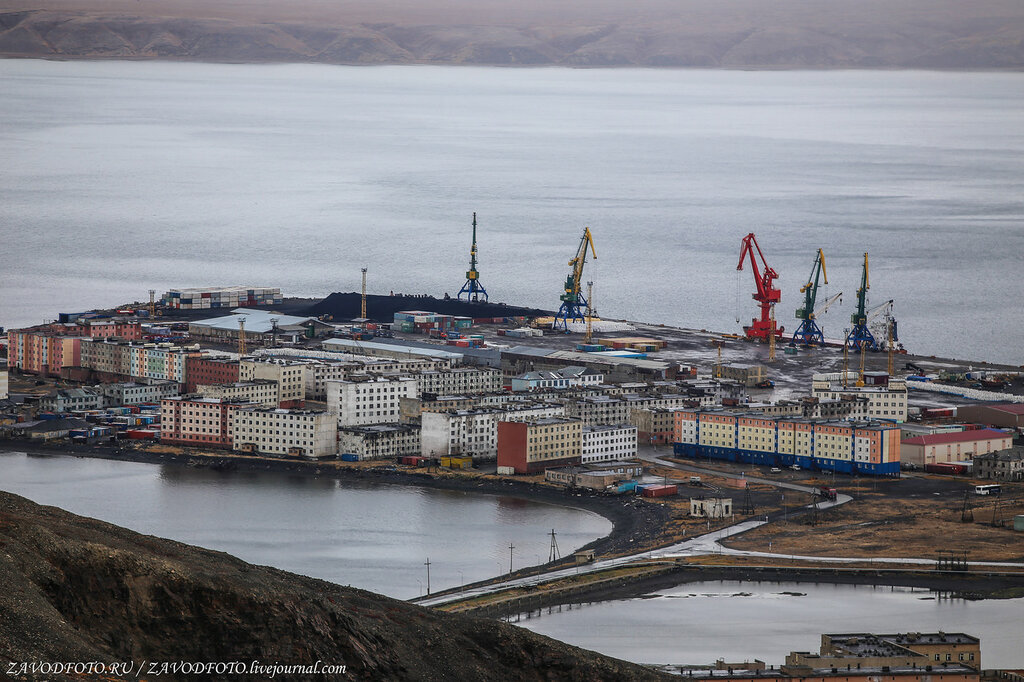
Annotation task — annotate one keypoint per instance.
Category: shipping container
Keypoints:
(948, 468)
(659, 490)
(349, 457)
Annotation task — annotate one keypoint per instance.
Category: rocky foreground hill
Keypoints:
(74, 589)
(944, 34)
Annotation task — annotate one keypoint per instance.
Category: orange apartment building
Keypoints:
(192, 420)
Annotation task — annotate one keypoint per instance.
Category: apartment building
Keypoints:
(290, 376)
(38, 350)
(655, 426)
(1004, 465)
(259, 391)
(459, 380)
(850, 447)
(320, 371)
(116, 359)
(608, 442)
(886, 397)
(475, 432)
(604, 409)
(380, 441)
(209, 369)
(534, 444)
(410, 409)
(71, 399)
(312, 434)
(956, 446)
(198, 421)
(132, 393)
(366, 399)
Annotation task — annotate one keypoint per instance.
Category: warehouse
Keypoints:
(957, 446)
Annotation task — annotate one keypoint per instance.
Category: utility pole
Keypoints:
(553, 553)
(510, 548)
(427, 564)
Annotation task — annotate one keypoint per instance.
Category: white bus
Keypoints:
(987, 489)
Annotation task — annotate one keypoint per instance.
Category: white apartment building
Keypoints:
(131, 393)
(290, 376)
(295, 433)
(608, 442)
(259, 391)
(603, 409)
(886, 399)
(320, 371)
(474, 432)
(367, 399)
(460, 380)
(380, 441)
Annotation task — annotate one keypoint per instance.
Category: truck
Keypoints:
(827, 493)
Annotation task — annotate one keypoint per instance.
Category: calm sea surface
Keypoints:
(699, 623)
(118, 177)
(376, 537)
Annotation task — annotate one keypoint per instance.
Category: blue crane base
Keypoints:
(809, 334)
(861, 335)
(474, 291)
(570, 312)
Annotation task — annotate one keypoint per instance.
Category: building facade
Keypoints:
(887, 398)
(71, 399)
(290, 376)
(206, 369)
(312, 434)
(193, 420)
(39, 351)
(956, 446)
(608, 442)
(475, 432)
(260, 392)
(532, 445)
(369, 399)
(459, 380)
(131, 393)
(380, 441)
(1003, 465)
(863, 447)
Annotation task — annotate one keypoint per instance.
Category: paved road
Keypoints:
(702, 545)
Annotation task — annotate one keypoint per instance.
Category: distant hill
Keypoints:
(78, 589)
(929, 34)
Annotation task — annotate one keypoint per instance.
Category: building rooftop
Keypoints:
(357, 346)
(257, 321)
(956, 437)
(608, 427)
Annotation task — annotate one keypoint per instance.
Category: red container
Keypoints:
(948, 468)
(659, 490)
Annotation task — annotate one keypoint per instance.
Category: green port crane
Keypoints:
(573, 302)
(809, 333)
(860, 335)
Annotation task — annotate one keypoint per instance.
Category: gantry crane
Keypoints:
(473, 289)
(809, 333)
(765, 295)
(860, 335)
(573, 301)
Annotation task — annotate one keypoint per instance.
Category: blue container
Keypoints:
(349, 457)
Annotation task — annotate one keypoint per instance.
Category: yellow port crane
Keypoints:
(573, 302)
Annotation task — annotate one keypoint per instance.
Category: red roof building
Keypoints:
(957, 446)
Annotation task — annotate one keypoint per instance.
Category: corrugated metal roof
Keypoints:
(258, 321)
(957, 437)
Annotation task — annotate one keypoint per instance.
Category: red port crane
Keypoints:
(766, 295)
